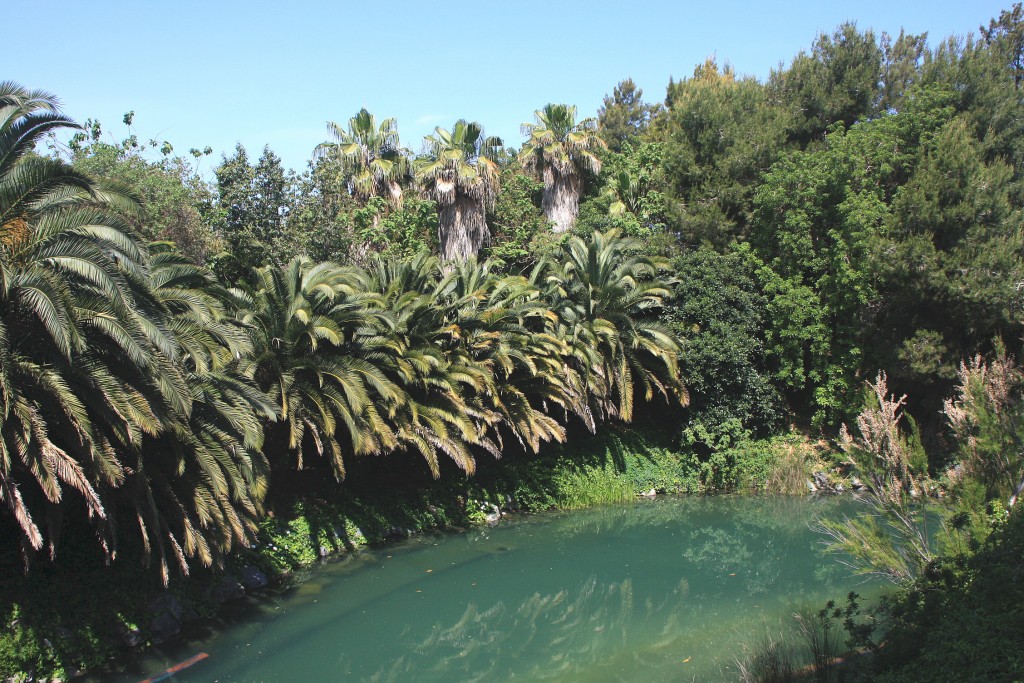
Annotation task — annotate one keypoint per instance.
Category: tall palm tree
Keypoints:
(459, 172)
(371, 156)
(75, 354)
(557, 149)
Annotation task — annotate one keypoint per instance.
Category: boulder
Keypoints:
(164, 626)
(167, 614)
(132, 637)
(253, 579)
(228, 589)
(167, 602)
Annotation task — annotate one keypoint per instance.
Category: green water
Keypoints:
(663, 590)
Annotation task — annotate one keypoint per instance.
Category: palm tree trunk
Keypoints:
(394, 195)
(561, 203)
(462, 228)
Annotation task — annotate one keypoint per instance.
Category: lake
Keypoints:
(666, 589)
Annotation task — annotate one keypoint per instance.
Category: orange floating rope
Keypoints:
(176, 668)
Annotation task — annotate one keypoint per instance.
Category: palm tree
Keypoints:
(117, 379)
(307, 321)
(439, 414)
(604, 295)
(459, 172)
(75, 355)
(371, 156)
(198, 492)
(626, 193)
(556, 150)
(478, 358)
(507, 329)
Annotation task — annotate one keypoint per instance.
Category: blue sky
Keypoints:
(216, 73)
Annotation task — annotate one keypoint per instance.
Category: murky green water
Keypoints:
(653, 591)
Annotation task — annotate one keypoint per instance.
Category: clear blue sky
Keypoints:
(216, 73)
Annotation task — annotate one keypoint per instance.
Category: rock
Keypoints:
(811, 487)
(167, 602)
(228, 589)
(164, 626)
(167, 616)
(839, 488)
(649, 494)
(857, 484)
(253, 579)
(132, 637)
(821, 481)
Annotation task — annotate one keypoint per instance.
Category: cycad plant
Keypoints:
(439, 414)
(506, 329)
(605, 294)
(308, 323)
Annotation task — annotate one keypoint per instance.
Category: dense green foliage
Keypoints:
(179, 358)
(961, 620)
(177, 205)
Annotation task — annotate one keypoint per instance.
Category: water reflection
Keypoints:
(558, 636)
